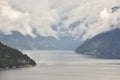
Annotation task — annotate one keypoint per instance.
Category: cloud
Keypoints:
(41, 14)
(25, 21)
(95, 17)
(13, 20)
(76, 18)
(107, 20)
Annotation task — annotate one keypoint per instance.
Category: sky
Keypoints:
(80, 19)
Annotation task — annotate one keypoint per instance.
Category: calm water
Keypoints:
(64, 65)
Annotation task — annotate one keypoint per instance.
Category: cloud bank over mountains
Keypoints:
(76, 18)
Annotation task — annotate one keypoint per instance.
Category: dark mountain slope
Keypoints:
(10, 57)
(105, 45)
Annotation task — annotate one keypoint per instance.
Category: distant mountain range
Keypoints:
(17, 40)
(105, 45)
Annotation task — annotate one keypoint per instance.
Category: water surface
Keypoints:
(64, 65)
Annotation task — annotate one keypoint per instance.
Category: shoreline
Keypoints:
(17, 67)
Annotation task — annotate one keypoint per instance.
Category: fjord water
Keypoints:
(64, 65)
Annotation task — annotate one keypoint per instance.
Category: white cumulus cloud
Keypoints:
(76, 18)
(14, 20)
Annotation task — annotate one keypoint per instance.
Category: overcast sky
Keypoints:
(76, 18)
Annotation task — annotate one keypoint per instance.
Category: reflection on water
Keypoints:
(64, 65)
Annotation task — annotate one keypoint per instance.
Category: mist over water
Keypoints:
(64, 65)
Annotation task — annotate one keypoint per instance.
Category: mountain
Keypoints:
(38, 43)
(10, 57)
(105, 45)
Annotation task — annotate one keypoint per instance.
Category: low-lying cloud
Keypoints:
(107, 20)
(80, 19)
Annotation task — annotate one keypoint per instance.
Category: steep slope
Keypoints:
(10, 57)
(105, 45)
